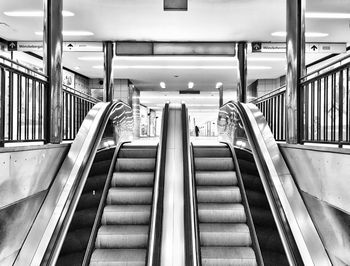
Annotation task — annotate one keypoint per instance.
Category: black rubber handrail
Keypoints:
(245, 203)
(192, 255)
(91, 244)
(155, 232)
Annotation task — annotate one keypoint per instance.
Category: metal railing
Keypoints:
(23, 105)
(324, 105)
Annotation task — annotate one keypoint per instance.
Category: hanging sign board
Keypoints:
(37, 46)
(270, 47)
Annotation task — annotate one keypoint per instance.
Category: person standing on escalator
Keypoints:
(196, 129)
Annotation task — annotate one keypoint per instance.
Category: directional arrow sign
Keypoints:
(314, 48)
(256, 47)
(12, 46)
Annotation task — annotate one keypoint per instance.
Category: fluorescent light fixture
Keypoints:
(218, 85)
(328, 15)
(190, 85)
(183, 67)
(162, 85)
(91, 58)
(34, 13)
(307, 34)
(71, 33)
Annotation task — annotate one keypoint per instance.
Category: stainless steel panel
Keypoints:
(9, 259)
(173, 235)
(26, 172)
(334, 228)
(108, 52)
(324, 174)
(15, 222)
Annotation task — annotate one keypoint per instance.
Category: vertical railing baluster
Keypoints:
(19, 107)
(340, 119)
(26, 109)
(312, 113)
(10, 102)
(2, 106)
(318, 102)
(34, 110)
(326, 108)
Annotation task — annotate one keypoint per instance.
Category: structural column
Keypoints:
(53, 68)
(242, 72)
(295, 68)
(136, 112)
(220, 87)
(108, 51)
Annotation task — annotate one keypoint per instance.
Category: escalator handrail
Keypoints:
(91, 244)
(192, 256)
(300, 240)
(250, 223)
(48, 231)
(155, 231)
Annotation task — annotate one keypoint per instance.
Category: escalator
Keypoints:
(123, 228)
(226, 234)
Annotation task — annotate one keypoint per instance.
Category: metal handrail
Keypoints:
(81, 94)
(22, 66)
(270, 94)
(192, 256)
(155, 232)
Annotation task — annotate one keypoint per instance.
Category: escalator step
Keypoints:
(216, 178)
(129, 195)
(212, 234)
(214, 164)
(137, 153)
(218, 194)
(76, 241)
(96, 182)
(89, 200)
(222, 256)
(83, 218)
(122, 236)
(99, 168)
(252, 182)
(212, 152)
(221, 213)
(73, 259)
(126, 214)
(257, 199)
(133, 179)
(135, 165)
(118, 257)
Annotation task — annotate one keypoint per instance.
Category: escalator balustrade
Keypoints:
(224, 235)
(122, 237)
(75, 243)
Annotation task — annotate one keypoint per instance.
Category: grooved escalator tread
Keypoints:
(137, 153)
(135, 165)
(218, 194)
(118, 257)
(122, 236)
(221, 213)
(132, 179)
(211, 152)
(129, 195)
(216, 178)
(213, 164)
(228, 256)
(126, 214)
(214, 234)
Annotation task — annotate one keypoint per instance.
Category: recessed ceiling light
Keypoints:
(34, 13)
(218, 85)
(162, 85)
(71, 33)
(190, 85)
(328, 15)
(307, 34)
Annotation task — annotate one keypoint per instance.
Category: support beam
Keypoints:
(295, 68)
(53, 68)
(108, 52)
(242, 72)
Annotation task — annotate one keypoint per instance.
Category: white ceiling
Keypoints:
(205, 20)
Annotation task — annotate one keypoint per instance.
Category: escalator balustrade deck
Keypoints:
(223, 231)
(122, 237)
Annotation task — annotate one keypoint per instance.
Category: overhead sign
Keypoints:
(12, 46)
(67, 46)
(332, 48)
